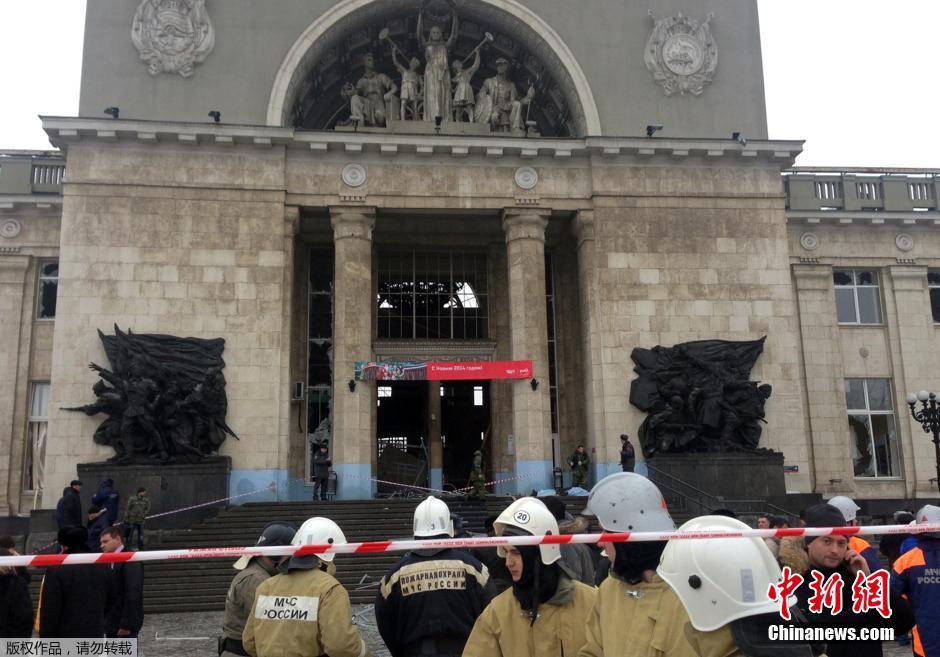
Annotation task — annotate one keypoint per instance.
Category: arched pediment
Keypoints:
(306, 92)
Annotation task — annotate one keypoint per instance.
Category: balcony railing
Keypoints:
(862, 190)
(23, 173)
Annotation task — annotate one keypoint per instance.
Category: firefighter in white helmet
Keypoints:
(636, 614)
(849, 510)
(305, 612)
(723, 584)
(545, 611)
(428, 602)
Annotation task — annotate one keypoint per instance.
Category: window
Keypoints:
(319, 349)
(48, 289)
(858, 300)
(872, 431)
(37, 425)
(933, 286)
(436, 295)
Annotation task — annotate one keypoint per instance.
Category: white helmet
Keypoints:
(928, 515)
(846, 505)
(531, 516)
(723, 579)
(432, 518)
(316, 531)
(629, 502)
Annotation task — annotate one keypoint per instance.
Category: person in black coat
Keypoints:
(97, 523)
(627, 454)
(73, 600)
(321, 471)
(68, 512)
(125, 616)
(16, 607)
(831, 555)
(108, 499)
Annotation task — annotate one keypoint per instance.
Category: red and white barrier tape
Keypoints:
(496, 481)
(372, 547)
(272, 488)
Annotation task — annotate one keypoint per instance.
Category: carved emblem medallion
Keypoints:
(354, 175)
(681, 54)
(172, 36)
(10, 228)
(526, 177)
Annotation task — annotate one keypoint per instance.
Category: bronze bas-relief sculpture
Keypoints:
(164, 395)
(699, 397)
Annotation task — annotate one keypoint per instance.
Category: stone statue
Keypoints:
(463, 92)
(410, 85)
(172, 35)
(437, 83)
(379, 91)
(498, 102)
(698, 397)
(357, 105)
(165, 398)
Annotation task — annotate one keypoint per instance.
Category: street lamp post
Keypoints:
(929, 418)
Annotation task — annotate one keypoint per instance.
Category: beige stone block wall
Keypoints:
(902, 349)
(691, 253)
(200, 250)
(25, 343)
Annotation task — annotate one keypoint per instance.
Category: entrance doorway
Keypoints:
(401, 433)
(465, 428)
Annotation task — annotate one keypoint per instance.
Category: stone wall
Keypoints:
(902, 349)
(25, 342)
(183, 242)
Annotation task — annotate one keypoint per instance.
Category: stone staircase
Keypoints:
(201, 584)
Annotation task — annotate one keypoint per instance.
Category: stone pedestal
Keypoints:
(733, 476)
(169, 487)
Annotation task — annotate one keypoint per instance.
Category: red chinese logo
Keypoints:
(827, 593)
(868, 592)
(871, 592)
(789, 583)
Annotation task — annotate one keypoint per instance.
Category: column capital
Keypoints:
(352, 222)
(582, 226)
(525, 223)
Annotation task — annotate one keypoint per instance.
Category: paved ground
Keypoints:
(194, 634)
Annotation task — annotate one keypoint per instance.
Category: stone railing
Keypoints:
(859, 190)
(23, 173)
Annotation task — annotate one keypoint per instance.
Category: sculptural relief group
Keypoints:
(438, 89)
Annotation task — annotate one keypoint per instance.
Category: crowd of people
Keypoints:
(703, 597)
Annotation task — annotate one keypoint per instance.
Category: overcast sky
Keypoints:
(857, 79)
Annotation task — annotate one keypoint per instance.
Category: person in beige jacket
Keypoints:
(636, 614)
(544, 613)
(305, 612)
(252, 571)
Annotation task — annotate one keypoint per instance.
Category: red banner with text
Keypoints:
(484, 370)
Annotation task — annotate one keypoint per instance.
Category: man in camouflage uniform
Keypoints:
(579, 462)
(477, 479)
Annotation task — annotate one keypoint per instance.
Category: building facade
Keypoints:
(630, 200)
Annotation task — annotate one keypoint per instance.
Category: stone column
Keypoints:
(604, 449)
(528, 331)
(353, 299)
(916, 340)
(825, 379)
(435, 446)
(12, 291)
